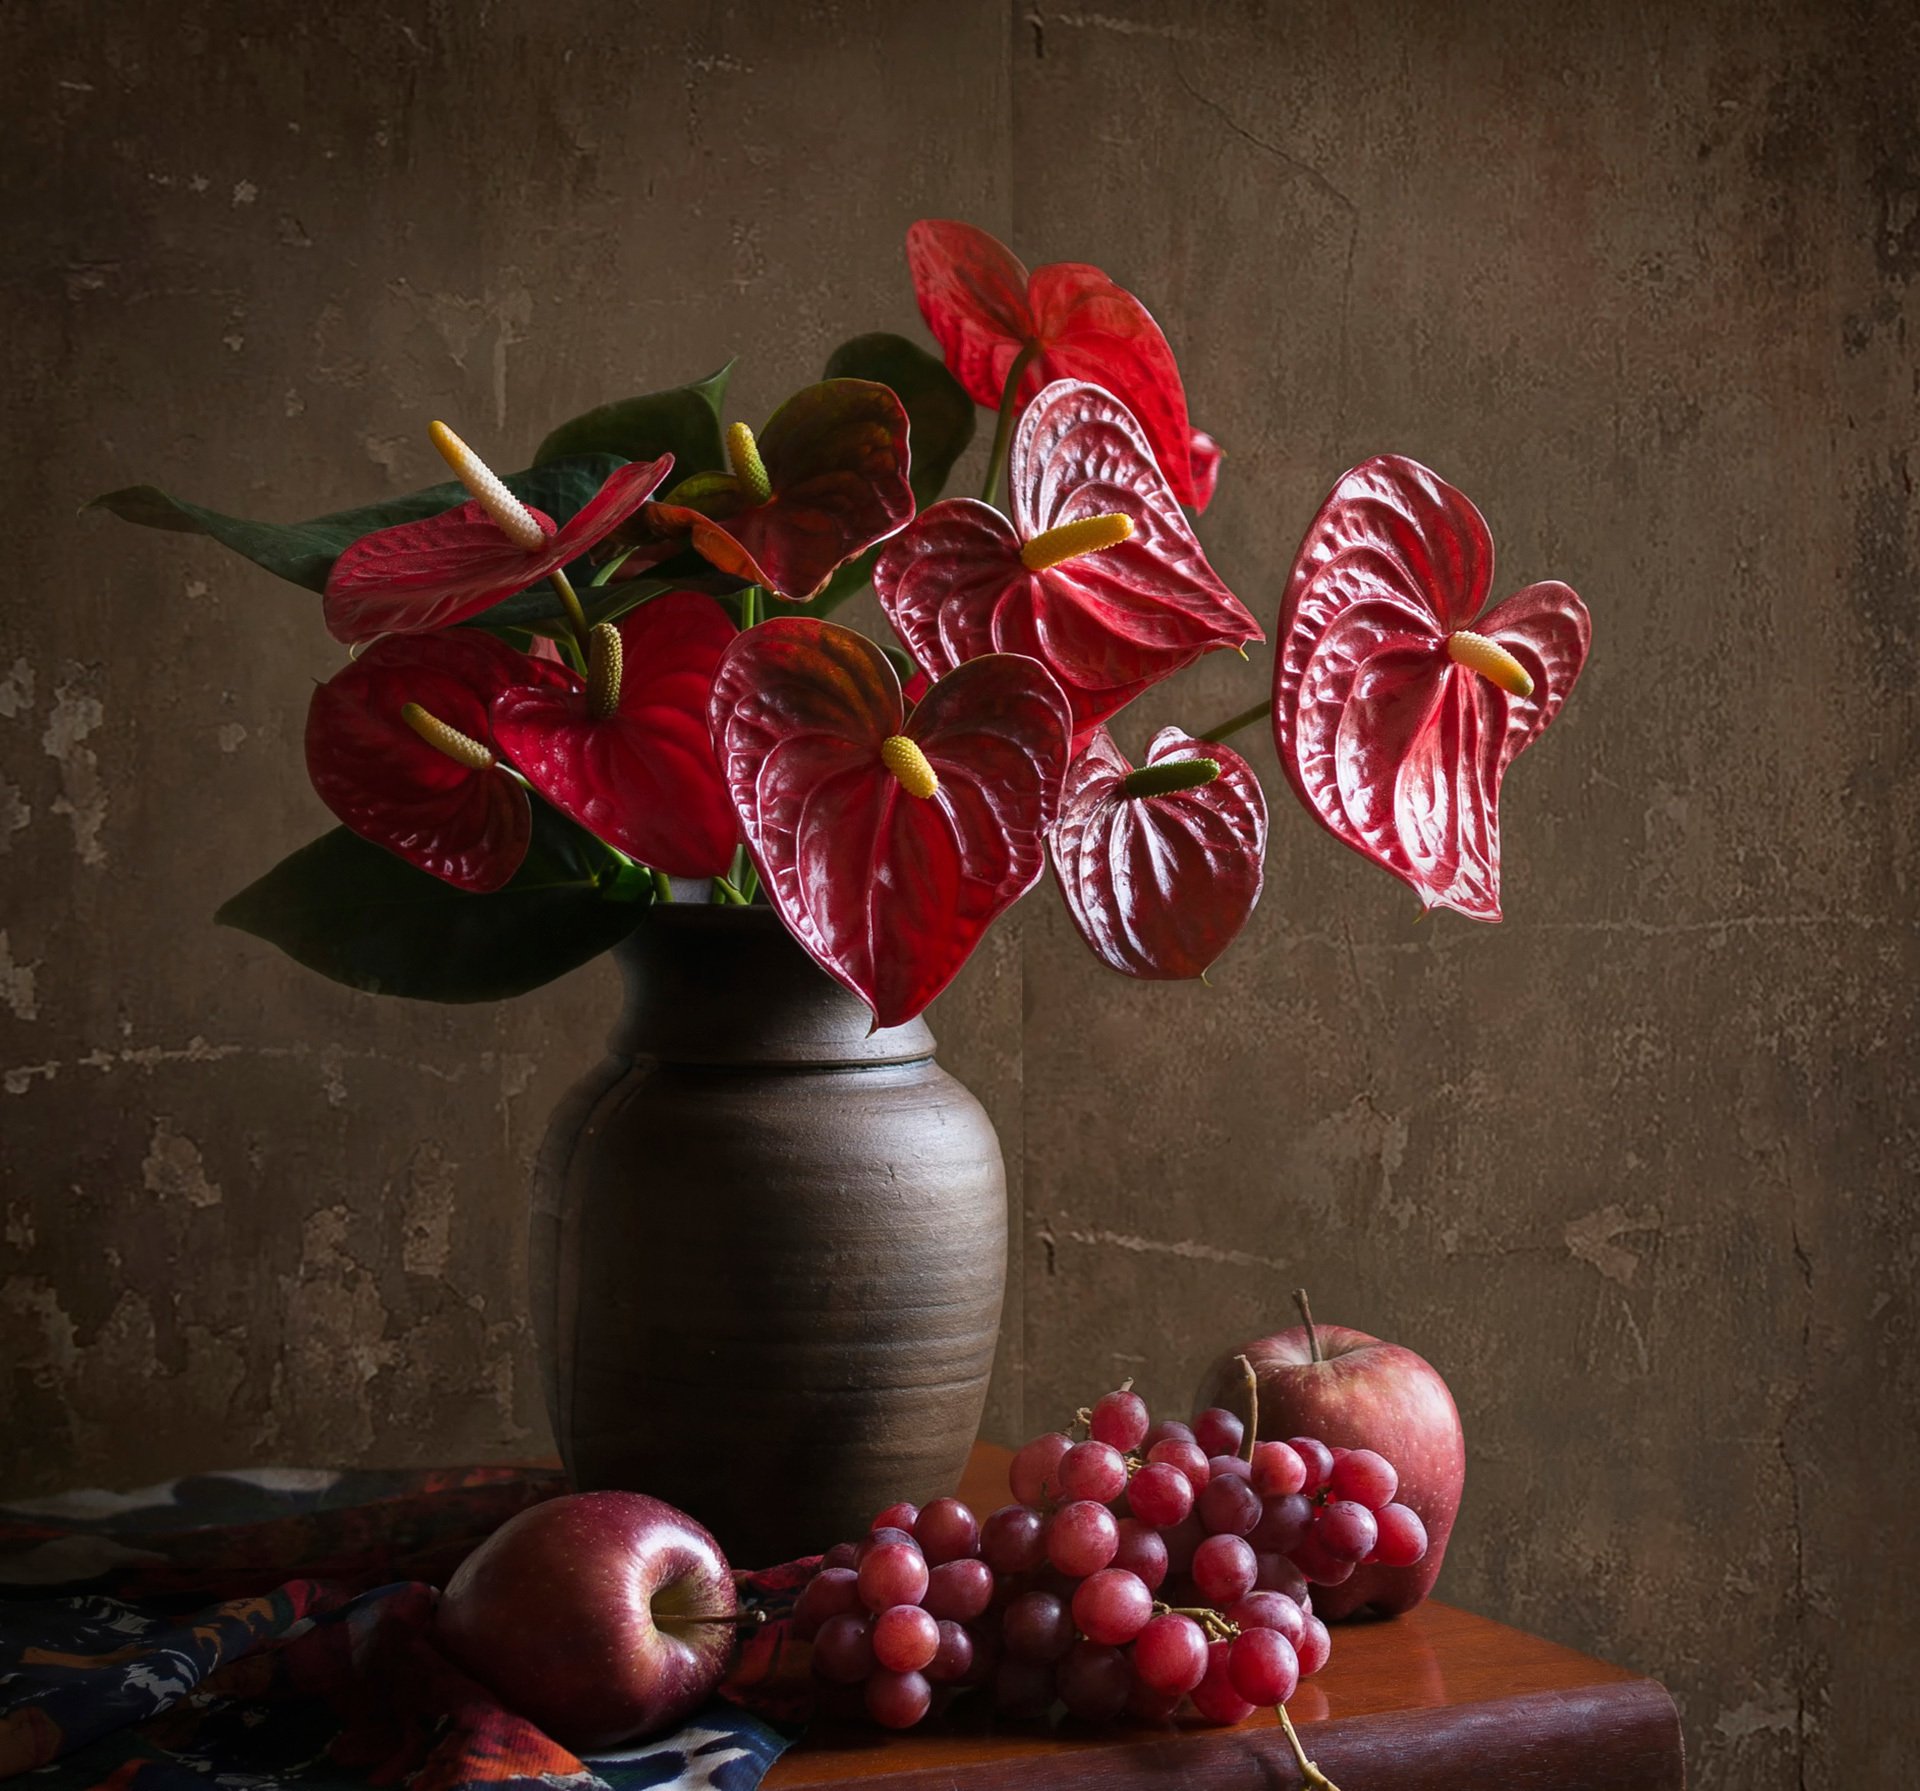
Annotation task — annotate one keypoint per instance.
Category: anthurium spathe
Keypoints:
(1160, 866)
(1108, 613)
(400, 747)
(1064, 321)
(824, 481)
(889, 843)
(1397, 705)
(419, 576)
(626, 751)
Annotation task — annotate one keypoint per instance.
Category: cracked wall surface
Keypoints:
(1636, 1169)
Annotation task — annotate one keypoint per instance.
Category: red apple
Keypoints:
(599, 1617)
(1356, 1392)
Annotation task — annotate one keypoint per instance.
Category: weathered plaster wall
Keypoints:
(1637, 1169)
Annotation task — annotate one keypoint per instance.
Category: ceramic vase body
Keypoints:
(769, 1247)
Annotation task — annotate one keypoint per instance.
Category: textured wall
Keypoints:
(1636, 1169)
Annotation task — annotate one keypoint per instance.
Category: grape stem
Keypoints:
(1253, 1404)
(1218, 1626)
(740, 1620)
(1306, 1314)
(1308, 1771)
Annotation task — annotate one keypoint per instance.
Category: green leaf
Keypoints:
(939, 411)
(684, 422)
(303, 552)
(354, 912)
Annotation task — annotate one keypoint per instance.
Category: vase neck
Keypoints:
(719, 986)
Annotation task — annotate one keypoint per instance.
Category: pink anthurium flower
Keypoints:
(1070, 322)
(399, 746)
(1160, 866)
(1397, 705)
(626, 751)
(1098, 575)
(889, 843)
(419, 576)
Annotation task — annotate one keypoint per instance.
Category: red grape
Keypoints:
(1170, 1654)
(1316, 1456)
(1093, 1681)
(1033, 1464)
(953, 1659)
(947, 1530)
(905, 1638)
(1366, 1478)
(1181, 1541)
(1229, 1506)
(1081, 1538)
(1283, 1522)
(831, 1592)
(1269, 1610)
(1229, 1464)
(1323, 1569)
(1141, 1552)
(1214, 1697)
(985, 1638)
(898, 1700)
(896, 1517)
(893, 1573)
(1313, 1647)
(1218, 1431)
(1012, 1540)
(1037, 1626)
(843, 1650)
(1022, 1688)
(1346, 1529)
(1092, 1471)
(1277, 1574)
(1119, 1419)
(1187, 1456)
(1160, 1494)
(1403, 1537)
(1146, 1705)
(1262, 1666)
(874, 1538)
(1112, 1606)
(1224, 1569)
(1167, 1430)
(842, 1554)
(959, 1589)
(1277, 1470)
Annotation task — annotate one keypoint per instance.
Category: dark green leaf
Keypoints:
(939, 411)
(303, 552)
(684, 422)
(357, 914)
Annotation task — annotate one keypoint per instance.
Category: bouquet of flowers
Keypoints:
(571, 689)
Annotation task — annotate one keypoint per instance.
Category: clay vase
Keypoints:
(769, 1247)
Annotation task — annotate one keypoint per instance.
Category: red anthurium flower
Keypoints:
(823, 481)
(419, 576)
(400, 748)
(985, 310)
(626, 751)
(1160, 867)
(889, 844)
(1108, 610)
(1397, 706)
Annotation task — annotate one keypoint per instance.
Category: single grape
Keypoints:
(1119, 1419)
(1229, 1464)
(1214, 1697)
(1229, 1506)
(905, 1638)
(1093, 1681)
(1112, 1606)
(875, 1538)
(952, 1661)
(1022, 1689)
(1181, 1541)
(1167, 1430)
(1283, 1522)
(1277, 1574)
(959, 1589)
(1037, 1626)
(1141, 1552)
(1082, 1538)
(842, 1554)
(843, 1650)
(830, 1593)
(1346, 1529)
(1092, 1471)
(947, 1530)
(1188, 1457)
(985, 1638)
(1269, 1610)
(896, 1517)
(1262, 1666)
(1364, 1477)
(1403, 1537)
(1321, 1568)
(1033, 1466)
(893, 1573)
(1224, 1569)
(1316, 1457)
(1013, 1539)
(1218, 1431)
(1145, 1705)
(898, 1700)
(1277, 1470)
(1313, 1647)
(1170, 1654)
(1160, 1494)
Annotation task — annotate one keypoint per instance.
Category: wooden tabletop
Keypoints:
(1436, 1699)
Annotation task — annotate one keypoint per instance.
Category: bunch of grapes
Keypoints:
(1142, 1567)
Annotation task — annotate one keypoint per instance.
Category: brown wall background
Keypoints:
(1636, 1169)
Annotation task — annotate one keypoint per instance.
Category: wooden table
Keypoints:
(1431, 1701)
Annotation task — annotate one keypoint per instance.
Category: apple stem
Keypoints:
(1253, 1404)
(1306, 1312)
(1308, 1771)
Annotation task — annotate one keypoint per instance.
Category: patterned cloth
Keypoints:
(249, 1631)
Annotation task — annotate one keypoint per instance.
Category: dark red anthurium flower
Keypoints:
(420, 576)
(888, 843)
(626, 751)
(985, 310)
(1109, 611)
(400, 748)
(1160, 867)
(1397, 706)
(821, 483)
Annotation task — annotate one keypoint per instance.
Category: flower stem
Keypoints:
(662, 886)
(749, 608)
(1003, 430)
(728, 894)
(1234, 723)
(576, 616)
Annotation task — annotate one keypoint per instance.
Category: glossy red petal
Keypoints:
(643, 779)
(1203, 463)
(420, 576)
(888, 892)
(468, 828)
(973, 294)
(1159, 886)
(1391, 745)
